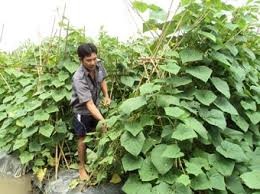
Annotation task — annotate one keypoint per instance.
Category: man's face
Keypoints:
(90, 62)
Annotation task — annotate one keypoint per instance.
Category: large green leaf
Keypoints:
(240, 122)
(253, 116)
(183, 132)
(248, 105)
(162, 188)
(19, 143)
(62, 75)
(46, 130)
(201, 72)
(3, 115)
(172, 151)
(134, 186)
(70, 66)
(231, 150)
(132, 104)
(128, 80)
(58, 95)
(190, 55)
(183, 179)
(223, 165)
(223, 104)
(40, 115)
(206, 97)
(148, 171)
(27, 132)
(201, 182)
(208, 35)
(176, 112)
(162, 164)
(217, 180)
(179, 81)
(148, 88)
(167, 100)
(221, 58)
(251, 179)
(221, 86)
(172, 68)
(140, 6)
(193, 168)
(32, 105)
(131, 143)
(26, 157)
(196, 126)
(233, 184)
(133, 127)
(131, 162)
(214, 117)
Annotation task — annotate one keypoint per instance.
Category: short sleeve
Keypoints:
(82, 90)
(102, 72)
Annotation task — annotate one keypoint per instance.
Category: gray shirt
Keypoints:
(84, 88)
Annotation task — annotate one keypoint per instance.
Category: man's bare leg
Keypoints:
(83, 175)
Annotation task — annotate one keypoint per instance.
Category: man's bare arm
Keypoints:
(94, 110)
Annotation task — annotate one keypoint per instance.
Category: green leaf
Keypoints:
(183, 179)
(190, 55)
(70, 66)
(44, 96)
(140, 6)
(162, 164)
(181, 189)
(128, 80)
(208, 35)
(41, 115)
(193, 168)
(25, 157)
(28, 132)
(57, 83)
(251, 179)
(148, 171)
(183, 132)
(214, 117)
(233, 184)
(196, 126)
(217, 180)
(46, 130)
(131, 162)
(167, 100)
(176, 112)
(25, 81)
(206, 97)
(172, 151)
(232, 49)
(172, 68)
(58, 95)
(62, 75)
(179, 81)
(132, 104)
(3, 115)
(134, 186)
(248, 105)
(19, 143)
(221, 86)
(254, 117)
(231, 150)
(131, 143)
(240, 122)
(162, 188)
(201, 72)
(149, 88)
(34, 147)
(52, 108)
(201, 182)
(133, 127)
(221, 58)
(223, 165)
(32, 105)
(223, 104)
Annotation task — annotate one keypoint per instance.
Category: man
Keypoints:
(87, 82)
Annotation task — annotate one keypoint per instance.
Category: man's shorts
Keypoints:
(83, 124)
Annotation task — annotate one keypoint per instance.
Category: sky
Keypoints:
(23, 20)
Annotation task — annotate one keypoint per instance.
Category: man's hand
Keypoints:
(106, 101)
(102, 125)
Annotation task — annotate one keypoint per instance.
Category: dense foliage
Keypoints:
(185, 112)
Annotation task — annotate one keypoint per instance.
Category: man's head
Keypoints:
(87, 53)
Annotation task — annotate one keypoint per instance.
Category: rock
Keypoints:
(10, 165)
(61, 185)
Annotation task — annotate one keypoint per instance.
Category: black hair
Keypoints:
(86, 49)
